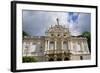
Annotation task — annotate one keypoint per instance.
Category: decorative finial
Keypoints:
(57, 21)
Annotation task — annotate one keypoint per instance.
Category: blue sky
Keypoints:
(35, 23)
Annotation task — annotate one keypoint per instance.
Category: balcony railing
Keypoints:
(57, 51)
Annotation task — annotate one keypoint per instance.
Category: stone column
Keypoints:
(55, 44)
(45, 45)
(46, 58)
(63, 57)
(82, 46)
(55, 57)
(48, 44)
(68, 46)
(62, 45)
(87, 49)
(71, 47)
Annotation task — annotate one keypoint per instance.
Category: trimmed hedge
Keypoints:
(28, 59)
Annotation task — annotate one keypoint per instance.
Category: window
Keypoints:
(81, 58)
(74, 47)
(52, 35)
(26, 50)
(58, 34)
(78, 46)
(33, 48)
(51, 45)
(64, 45)
(64, 34)
(85, 47)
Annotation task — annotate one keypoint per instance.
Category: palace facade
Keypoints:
(56, 45)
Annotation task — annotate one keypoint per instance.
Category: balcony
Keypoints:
(57, 51)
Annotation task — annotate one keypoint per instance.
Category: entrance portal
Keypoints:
(66, 59)
(51, 59)
(59, 59)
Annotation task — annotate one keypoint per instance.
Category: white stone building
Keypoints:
(56, 45)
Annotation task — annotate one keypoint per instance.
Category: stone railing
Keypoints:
(56, 51)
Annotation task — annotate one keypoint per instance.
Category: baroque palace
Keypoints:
(56, 45)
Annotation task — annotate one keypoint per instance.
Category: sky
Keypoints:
(35, 23)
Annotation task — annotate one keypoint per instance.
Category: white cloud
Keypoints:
(84, 23)
(37, 22)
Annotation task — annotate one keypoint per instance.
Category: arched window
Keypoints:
(64, 45)
(51, 45)
(74, 47)
(78, 46)
(85, 47)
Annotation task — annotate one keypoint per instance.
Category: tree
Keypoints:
(88, 36)
(28, 59)
(25, 34)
